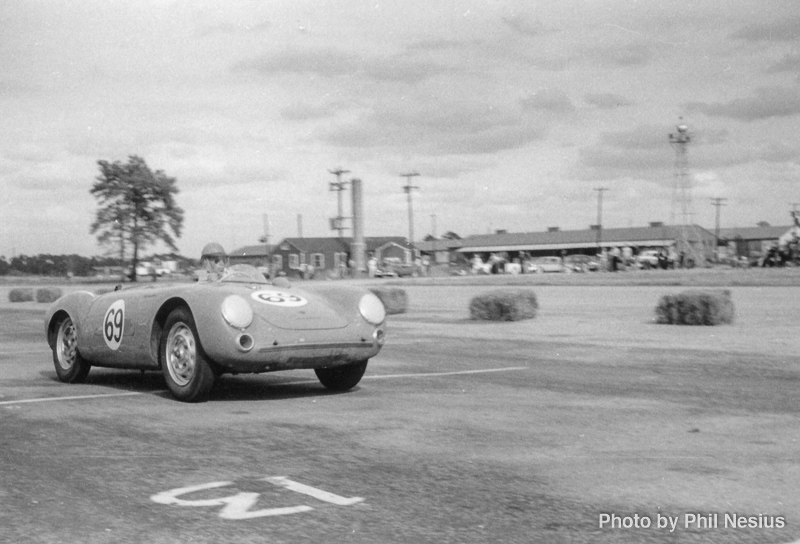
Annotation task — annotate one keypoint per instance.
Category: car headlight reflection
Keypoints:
(237, 311)
(372, 309)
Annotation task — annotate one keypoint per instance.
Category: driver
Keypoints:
(214, 261)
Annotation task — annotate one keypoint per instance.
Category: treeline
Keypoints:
(73, 265)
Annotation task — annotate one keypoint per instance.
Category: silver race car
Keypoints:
(240, 323)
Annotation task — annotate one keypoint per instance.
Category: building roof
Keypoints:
(566, 239)
(754, 233)
(444, 244)
(340, 245)
(260, 250)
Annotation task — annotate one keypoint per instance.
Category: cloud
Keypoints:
(607, 101)
(632, 54)
(437, 128)
(768, 102)
(15, 88)
(334, 63)
(326, 63)
(553, 100)
(789, 63)
(310, 112)
(784, 30)
(231, 29)
(522, 24)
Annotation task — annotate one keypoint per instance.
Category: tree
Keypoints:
(137, 207)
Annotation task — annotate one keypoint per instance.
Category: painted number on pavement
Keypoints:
(239, 506)
(113, 324)
(279, 298)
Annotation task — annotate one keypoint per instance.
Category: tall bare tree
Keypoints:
(136, 207)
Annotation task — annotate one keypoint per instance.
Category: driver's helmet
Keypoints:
(212, 251)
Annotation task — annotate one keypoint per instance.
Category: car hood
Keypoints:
(294, 309)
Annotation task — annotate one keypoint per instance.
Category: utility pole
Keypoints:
(717, 202)
(408, 188)
(338, 186)
(265, 218)
(600, 191)
(433, 225)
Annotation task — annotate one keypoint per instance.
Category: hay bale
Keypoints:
(21, 294)
(48, 294)
(394, 299)
(696, 307)
(504, 305)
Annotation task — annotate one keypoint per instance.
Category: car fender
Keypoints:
(76, 305)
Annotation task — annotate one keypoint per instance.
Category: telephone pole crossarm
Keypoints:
(338, 186)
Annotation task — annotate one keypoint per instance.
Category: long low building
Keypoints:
(692, 240)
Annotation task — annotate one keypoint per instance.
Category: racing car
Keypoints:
(238, 323)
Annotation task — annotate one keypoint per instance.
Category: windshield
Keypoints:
(242, 273)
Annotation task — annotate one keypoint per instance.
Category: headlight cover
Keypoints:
(372, 309)
(237, 311)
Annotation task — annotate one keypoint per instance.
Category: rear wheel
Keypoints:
(70, 366)
(186, 368)
(342, 378)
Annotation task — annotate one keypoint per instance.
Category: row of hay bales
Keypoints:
(29, 294)
(693, 307)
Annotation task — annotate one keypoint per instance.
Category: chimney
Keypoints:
(553, 229)
(594, 227)
(656, 224)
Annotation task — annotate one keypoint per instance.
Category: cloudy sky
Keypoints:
(513, 112)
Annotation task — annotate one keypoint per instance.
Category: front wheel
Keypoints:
(186, 368)
(70, 366)
(342, 378)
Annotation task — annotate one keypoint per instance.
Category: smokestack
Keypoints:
(358, 248)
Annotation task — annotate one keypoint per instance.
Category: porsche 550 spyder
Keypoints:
(195, 332)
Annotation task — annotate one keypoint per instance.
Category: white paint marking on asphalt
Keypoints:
(455, 373)
(319, 494)
(298, 382)
(420, 375)
(238, 506)
(235, 506)
(77, 397)
(35, 352)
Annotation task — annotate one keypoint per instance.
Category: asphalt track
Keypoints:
(460, 432)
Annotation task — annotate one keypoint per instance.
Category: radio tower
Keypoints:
(682, 196)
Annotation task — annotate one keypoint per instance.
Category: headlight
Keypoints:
(237, 312)
(372, 309)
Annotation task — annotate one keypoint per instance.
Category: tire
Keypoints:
(342, 378)
(187, 370)
(71, 367)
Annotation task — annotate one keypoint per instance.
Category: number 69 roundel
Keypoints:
(114, 324)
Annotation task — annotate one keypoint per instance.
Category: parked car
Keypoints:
(581, 263)
(240, 323)
(541, 265)
(385, 272)
(399, 268)
(647, 258)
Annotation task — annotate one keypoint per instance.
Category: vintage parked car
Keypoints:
(240, 323)
(581, 263)
(396, 268)
(647, 259)
(540, 265)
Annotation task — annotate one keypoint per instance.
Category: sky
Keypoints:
(513, 113)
